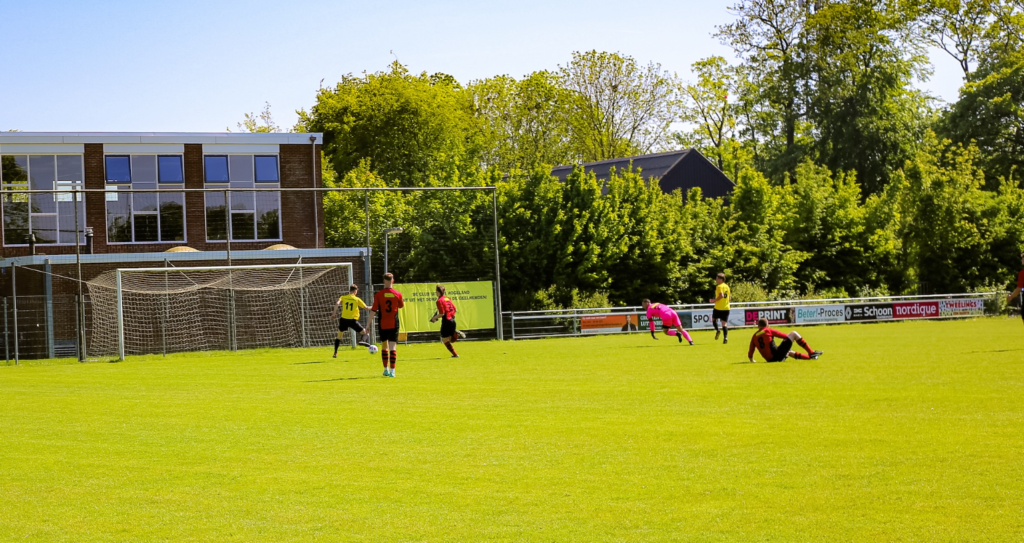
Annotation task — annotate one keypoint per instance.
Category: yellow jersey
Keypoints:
(723, 291)
(350, 305)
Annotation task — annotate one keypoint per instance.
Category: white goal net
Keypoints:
(164, 310)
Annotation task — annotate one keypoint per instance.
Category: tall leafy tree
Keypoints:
(706, 108)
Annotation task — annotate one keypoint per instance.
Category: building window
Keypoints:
(145, 217)
(51, 216)
(254, 215)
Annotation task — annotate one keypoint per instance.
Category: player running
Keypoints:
(386, 304)
(764, 342)
(350, 305)
(446, 312)
(669, 321)
(1019, 291)
(721, 310)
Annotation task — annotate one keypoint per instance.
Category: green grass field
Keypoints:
(901, 432)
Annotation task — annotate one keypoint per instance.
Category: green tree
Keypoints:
(705, 106)
(259, 123)
(619, 108)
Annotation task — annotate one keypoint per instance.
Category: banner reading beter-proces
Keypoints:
(474, 302)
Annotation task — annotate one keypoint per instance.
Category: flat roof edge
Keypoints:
(199, 256)
(160, 137)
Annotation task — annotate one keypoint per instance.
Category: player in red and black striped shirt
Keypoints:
(446, 312)
(386, 303)
(1019, 291)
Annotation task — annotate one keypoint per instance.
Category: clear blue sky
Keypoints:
(198, 66)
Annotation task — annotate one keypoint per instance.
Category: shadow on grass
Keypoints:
(996, 351)
(312, 362)
(346, 379)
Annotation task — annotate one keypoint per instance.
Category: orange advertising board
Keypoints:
(605, 324)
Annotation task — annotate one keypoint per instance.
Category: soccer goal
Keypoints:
(164, 310)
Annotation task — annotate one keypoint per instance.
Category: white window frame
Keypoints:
(57, 197)
(112, 188)
(256, 184)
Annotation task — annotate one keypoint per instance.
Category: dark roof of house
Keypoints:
(656, 165)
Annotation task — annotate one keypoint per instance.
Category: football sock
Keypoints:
(799, 356)
(384, 358)
(725, 331)
(687, 337)
(455, 336)
(394, 358)
(337, 343)
(803, 343)
(451, 349)
(715, 322)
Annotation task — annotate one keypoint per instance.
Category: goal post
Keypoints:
(180, 309)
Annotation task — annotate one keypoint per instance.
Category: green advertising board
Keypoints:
(474, 302)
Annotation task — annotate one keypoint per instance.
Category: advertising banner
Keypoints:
(775, 315)
(820, 314)
(702, 319)
(961, 308)
(474, 304)
(915, 310)
(606, 324)
(869, 312)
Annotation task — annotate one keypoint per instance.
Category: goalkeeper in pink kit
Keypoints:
(669, 321)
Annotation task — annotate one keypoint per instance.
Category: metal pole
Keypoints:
(231, 291)
(369, 268)
(80, 302)
(497, 265)
(302, 308)
(7, 344)
(120, 317)
(166, 316)
(227, 227)
(386, 235)
(352, 333)
(14, 291)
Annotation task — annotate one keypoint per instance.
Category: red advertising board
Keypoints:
(915, 310)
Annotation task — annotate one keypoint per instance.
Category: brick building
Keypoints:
(168, 228)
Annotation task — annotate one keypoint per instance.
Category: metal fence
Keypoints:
(626, 320)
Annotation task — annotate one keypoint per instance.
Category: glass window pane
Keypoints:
(15, 218)
(43, 203)
(216, 220)
(42, 171)
(119, 210)
(266, 169)
(66, 220)
(143, 169)
(146, 228)
(172, 217)
(170, 169)
(45, 228)
(241, 168)
(267, 216)
(144, 201)
(69, 168)
(119, 169)
(14, 169)
(243, 226)
(216, 169)
(242, 201)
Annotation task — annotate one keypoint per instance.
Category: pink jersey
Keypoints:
(661, 311)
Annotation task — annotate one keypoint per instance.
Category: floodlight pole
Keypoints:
(497, 267)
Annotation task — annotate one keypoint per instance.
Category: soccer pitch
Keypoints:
(908, 431)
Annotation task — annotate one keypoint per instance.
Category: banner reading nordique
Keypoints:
(474, 302)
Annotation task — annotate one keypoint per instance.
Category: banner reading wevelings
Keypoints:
(474, 304)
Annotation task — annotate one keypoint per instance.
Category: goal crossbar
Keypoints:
(347, 266)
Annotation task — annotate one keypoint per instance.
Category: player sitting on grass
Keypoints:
(350, 305)
(669, 320)
(446, 312)
(387, 303)
(764, 342)
(1019, 291)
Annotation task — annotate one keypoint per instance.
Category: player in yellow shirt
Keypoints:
(350, 305)
(721, 310)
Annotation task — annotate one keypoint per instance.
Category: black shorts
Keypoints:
(349, 324)
(388, 334)
(447, 327)
(781, 352)
(720, 314)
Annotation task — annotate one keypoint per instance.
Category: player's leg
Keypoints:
(448, 336)
(799, 340)
(393, 354)
(780, 353)
(714, 321)
(337, 340)
(725, 326)
(363, 334)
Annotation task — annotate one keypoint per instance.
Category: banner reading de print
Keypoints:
(474, 302)
(775, 315)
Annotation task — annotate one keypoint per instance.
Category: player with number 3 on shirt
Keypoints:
(386, 304)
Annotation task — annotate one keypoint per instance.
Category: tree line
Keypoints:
(850, 180)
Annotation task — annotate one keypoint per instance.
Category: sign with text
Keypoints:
(915, 310)
(962, 307)
(820, 314)
(474, 304)
(775, 315)
(869, 312)
(702, 319)
(606, 324)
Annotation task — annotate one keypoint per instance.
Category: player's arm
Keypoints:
(650, 321)
(360, 303)
(334, 314)
(1014, 294)
(750, 351)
